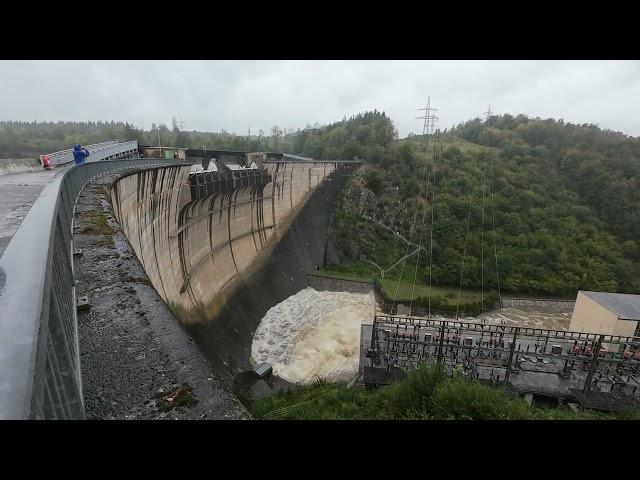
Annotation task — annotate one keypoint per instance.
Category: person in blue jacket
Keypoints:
(79, 154)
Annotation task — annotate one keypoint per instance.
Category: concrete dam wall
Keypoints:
(221, 249)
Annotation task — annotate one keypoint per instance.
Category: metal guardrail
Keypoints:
(97, 152)
(539, 299)
(39, 352)
(406, 342)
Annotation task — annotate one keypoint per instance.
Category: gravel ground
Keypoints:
(137, 361)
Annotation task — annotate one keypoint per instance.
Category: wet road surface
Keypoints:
(17, 193)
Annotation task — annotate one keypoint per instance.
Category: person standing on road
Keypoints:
(79, 154)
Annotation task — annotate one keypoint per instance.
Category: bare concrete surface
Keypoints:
(137, 361)
(17, 193)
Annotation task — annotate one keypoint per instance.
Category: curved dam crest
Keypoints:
(221, 251)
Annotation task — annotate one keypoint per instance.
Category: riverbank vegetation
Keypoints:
(426, 393)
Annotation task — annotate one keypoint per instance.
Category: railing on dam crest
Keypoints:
(39, 354)
(97, 151)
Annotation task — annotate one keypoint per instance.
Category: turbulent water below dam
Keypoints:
(313, 334)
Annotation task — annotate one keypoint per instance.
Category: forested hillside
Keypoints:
(31, 139)
(364, 135)
(566, 198)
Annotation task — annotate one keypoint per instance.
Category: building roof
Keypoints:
(625, 305)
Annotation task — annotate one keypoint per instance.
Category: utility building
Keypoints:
(606, 313)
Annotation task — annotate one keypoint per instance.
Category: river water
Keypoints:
(313, 334)
(316, 334)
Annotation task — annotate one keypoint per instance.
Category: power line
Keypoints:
(425, 129)
(429, 127)
(495, 247)
(466, 236)
(484, 169)
(433, 216)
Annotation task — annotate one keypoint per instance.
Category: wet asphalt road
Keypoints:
(134, 353)
(18, 191)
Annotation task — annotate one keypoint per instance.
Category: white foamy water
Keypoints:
(313, 334)
(513, 317)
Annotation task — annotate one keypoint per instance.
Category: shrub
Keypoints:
(461, 399)
(425, 393)
(410, 397)
(629, 414)
(374, 182)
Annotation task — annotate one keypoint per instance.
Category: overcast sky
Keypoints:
(238, 95)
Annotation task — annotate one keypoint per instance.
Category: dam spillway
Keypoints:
(222, 249)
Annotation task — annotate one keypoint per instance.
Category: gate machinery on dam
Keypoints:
(599, 371)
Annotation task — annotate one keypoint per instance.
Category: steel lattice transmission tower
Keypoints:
(429, 118)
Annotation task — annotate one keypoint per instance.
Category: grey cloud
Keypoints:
(236, 95)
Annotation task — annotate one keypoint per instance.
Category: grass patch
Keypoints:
(98, 224)
(443, 299)
(466, 146)
(405, 291)
(343, 276)
(425, 393)
(353, 269)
